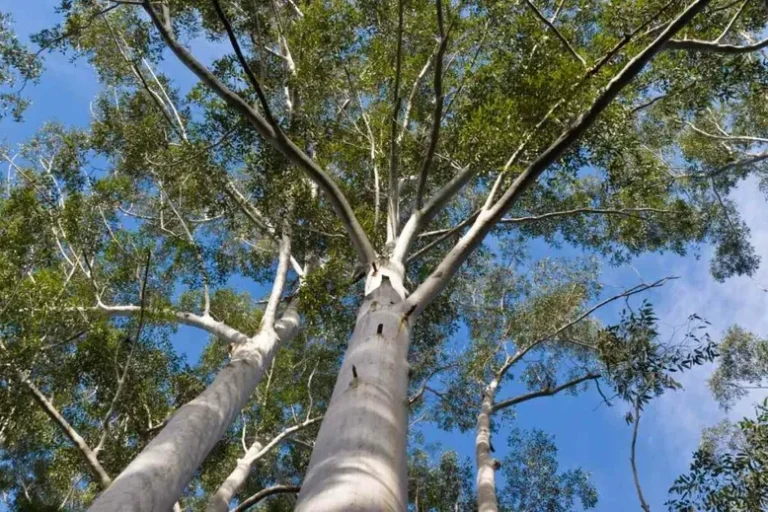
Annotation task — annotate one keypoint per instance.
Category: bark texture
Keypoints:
(359, 460)
(157, 476)
(486, 466)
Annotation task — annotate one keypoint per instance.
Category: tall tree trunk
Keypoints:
(156, 478)
(359, 460)
(486, 465)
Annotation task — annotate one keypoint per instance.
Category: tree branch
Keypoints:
(548, 391)
(264, 493)
(90, 457)
(393, 192)
(715, 47)
(437, 115)
(434, 284)
(626, 212)
(643, 503)
(207, 324)
(359, 239)
(246, 68)
(268, 320)
(557, 32)
(220, 499)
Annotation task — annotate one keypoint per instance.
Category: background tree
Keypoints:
(539, 121)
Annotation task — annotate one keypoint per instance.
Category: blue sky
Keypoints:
(595, 438)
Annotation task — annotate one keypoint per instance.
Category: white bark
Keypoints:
(486, 466)
(157, 476)
(359, 460)
(219, 501)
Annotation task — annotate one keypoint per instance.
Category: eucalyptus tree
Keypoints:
(533, 333)
(551, 120)
(18, 66)
(729, 471)
(741, 368)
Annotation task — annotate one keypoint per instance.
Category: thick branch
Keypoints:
(548, 391)
(205, 323)
(283, 264)
(429, 289)
(359, 239)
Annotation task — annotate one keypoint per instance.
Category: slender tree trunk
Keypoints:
(359, 460)
(486, 465)
(155, 479)
(636, 424)
(219, 502)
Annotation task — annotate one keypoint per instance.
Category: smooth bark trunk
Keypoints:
(486, 465)
(219, 502)
(359, 460)
(155, 479)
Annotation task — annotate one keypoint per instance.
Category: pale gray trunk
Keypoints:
(219, 502)
(486, 465)
(359, 460)
(155, 479)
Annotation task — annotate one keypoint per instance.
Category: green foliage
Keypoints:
(638, 366)
(743, 364)
(17, 67)
(731, 475)
(156, 169)
(445, 484)
(534, 482)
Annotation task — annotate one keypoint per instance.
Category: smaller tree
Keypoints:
(729, 472)
(639, 367)
(743, 366)
(533, 481)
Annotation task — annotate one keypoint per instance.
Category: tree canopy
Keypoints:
(360, 205)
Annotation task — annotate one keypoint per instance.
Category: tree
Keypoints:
(728, 472)
(640, 368)
(533, 481)
(520, 135)
(743, 366)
